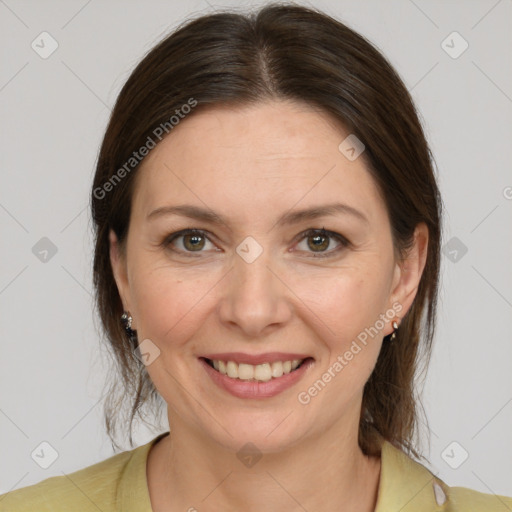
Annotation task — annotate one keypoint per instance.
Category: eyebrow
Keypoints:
(288, 218)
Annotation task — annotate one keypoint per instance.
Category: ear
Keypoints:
(408, 273)
(119, 269)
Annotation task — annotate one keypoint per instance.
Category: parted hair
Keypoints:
(281, 52)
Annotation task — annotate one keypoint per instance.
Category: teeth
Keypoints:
(232, 370)
(277, 369)
(245, 371)
(260, 372)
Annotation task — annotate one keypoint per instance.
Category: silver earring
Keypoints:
(395, 327)
(126, 320)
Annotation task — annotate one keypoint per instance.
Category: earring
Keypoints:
(395, 327)
(126, 320)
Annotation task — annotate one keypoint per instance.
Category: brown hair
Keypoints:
(293, 53)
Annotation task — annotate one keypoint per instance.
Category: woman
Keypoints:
(267, 259)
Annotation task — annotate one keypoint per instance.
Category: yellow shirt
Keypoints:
(119, 484)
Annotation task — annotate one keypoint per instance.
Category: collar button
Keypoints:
(439, 494)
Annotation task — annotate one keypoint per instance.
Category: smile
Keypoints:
(255, 377)
(260, 372)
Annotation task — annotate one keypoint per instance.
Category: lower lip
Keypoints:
(253, 389)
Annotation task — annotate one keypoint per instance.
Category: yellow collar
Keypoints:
(407, 485)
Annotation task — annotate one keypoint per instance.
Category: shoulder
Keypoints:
(88, 489)
(462, 498)
(408, 486)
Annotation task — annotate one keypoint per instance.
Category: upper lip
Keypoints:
(254, 359)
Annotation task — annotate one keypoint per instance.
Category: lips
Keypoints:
(256, 376)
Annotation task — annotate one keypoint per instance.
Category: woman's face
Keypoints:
(255, 287)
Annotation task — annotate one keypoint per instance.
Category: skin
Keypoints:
(252, 164)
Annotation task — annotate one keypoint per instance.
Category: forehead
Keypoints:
(253, 156)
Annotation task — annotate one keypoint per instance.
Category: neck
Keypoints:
(330, 472)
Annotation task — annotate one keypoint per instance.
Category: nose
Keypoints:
(255, 299)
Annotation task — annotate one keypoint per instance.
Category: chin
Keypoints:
(268, 431)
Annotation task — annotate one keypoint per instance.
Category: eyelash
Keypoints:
(308, 233)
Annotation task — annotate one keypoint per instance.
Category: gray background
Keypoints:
(54, 112)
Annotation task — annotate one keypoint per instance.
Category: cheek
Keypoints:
(347, 306)
(169, 305)
(344, 301)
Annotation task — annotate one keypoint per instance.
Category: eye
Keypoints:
(188, 241)
(318, 241)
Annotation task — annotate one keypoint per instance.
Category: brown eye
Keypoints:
(193, 242)
(318, 242)
(322, 243)
(188, 241)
